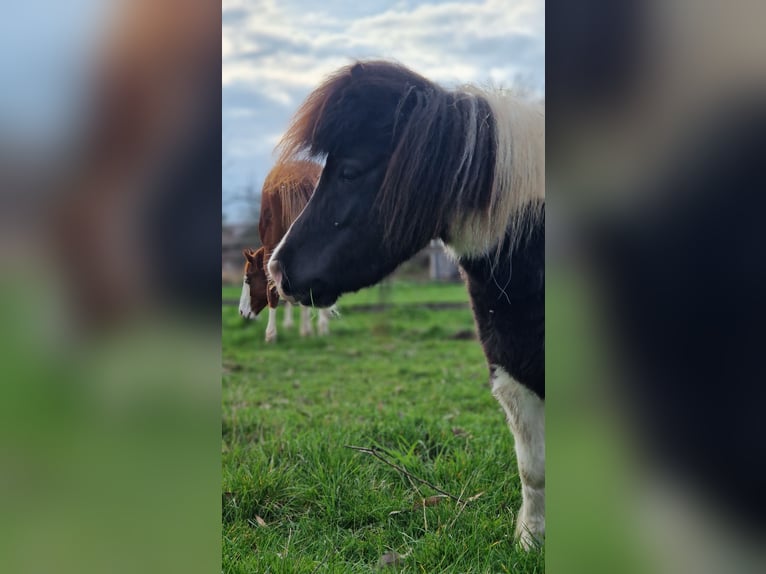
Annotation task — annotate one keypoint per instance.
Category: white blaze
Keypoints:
(244, 301)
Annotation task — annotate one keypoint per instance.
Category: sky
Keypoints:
(276, 51)
(45, 47)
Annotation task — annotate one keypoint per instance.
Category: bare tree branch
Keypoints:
(376, 453)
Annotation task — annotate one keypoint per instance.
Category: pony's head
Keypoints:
(255, 286)
(406, 161)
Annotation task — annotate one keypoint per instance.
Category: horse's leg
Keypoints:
(323, 323)
(271, 327)
(526, 418)
(288, 322)
(306, 328)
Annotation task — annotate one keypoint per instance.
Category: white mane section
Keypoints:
(518, 190)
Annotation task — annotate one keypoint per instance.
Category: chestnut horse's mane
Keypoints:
(294, 181)
(467, 165)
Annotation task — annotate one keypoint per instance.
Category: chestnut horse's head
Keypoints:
(255, 286)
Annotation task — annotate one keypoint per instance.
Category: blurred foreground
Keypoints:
(109, 296)
(657, 434)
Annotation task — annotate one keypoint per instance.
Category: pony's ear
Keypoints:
(248, 253)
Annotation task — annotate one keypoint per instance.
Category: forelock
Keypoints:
(363, 97)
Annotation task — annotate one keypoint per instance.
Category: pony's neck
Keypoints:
(521, 272)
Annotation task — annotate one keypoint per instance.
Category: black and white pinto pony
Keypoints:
(407, 161)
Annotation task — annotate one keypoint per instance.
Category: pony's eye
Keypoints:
(349, 172)
(247, 280)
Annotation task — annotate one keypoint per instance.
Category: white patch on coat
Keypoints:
(271, 327)
(244, 301)
(525, 412)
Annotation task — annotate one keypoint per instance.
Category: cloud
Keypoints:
(276, 52)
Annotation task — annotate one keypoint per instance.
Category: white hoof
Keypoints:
(271, 335)
(529, 542)
(306, 331)
(530, 533)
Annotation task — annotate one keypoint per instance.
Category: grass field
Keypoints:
(400, 292)
(407, 380)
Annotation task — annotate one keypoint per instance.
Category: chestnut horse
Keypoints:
(408, 161)
(285, 193)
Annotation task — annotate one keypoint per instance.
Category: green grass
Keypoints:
(295, 500)
(401, 292)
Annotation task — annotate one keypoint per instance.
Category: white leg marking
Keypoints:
(244, 301)
(323, 323)
(288, 322)
(526, 418)
(306, 328)
(271, 327)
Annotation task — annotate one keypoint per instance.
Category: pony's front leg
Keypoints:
(306, 328)
(526, 418)
(288, 321)
(323, 323)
